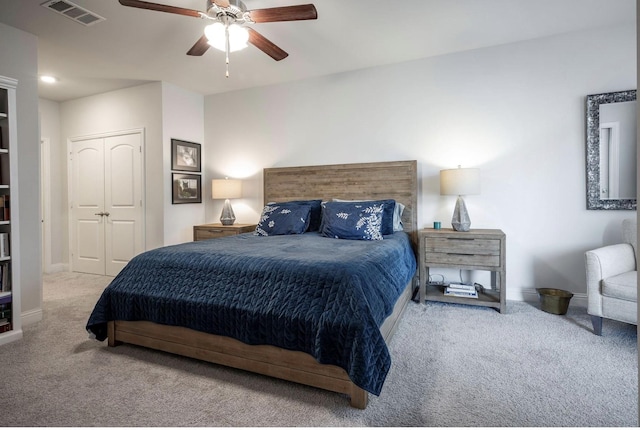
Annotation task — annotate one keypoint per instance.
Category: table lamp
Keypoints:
(460, 182)
(226, 189)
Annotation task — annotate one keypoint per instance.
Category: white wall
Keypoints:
(19, 60)
(131, 108)
(50, 129)
(515, 111)
(182, 118)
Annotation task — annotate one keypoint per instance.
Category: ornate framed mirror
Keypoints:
(611, 151)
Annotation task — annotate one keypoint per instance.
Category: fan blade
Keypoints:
(160, 7)
(200, 47)
(284, 13)
(221, 3)
(266, 46)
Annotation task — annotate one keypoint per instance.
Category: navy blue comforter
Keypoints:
(326, 297)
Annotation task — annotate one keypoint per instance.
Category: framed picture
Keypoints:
(187, 188)
(185, 156)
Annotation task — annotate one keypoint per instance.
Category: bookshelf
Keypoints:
(10, 320)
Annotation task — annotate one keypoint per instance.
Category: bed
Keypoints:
(279, 350)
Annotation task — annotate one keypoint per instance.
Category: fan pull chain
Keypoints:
(226, 37)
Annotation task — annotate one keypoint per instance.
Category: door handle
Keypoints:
(103, 214)
(106, 214)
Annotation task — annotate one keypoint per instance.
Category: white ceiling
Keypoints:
(134, 46)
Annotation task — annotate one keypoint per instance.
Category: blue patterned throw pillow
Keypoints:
(352, 220)
(283, 218)
(315, 213)
(391, 221)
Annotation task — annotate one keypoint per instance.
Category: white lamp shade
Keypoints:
(459, 182)
(226, 189)
(238, 36)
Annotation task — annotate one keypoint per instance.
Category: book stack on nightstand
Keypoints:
(461, 290)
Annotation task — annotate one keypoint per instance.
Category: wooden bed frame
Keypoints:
(397, 180)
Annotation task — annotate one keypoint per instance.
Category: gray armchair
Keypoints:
(612, 290)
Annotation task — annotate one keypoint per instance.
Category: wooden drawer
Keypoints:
(467, 260)
(215, 231)
(211, 233)
(463, 246)
(462, 251)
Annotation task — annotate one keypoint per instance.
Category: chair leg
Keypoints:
(597, 324)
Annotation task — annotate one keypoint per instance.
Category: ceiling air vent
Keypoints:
(73, 11)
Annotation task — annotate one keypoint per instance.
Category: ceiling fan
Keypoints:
(228, 31)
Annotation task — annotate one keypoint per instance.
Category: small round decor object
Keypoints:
(554, 301)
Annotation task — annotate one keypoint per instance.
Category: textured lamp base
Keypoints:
(460, 220)
(227, 217)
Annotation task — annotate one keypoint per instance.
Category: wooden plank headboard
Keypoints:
(396, 180)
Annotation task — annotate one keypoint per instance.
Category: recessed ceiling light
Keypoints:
(48, 79)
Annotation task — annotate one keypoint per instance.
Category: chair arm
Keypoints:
(610, 261)
(603, 263)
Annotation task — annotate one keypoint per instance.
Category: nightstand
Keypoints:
(214, 231)
(478, 249)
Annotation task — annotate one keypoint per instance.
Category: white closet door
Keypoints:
(87, 224)
(122, 200)
(106, 202)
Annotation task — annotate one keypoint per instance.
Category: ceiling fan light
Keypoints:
(238, 36)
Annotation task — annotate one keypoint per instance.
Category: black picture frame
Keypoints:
(186, 188)
(185, 156)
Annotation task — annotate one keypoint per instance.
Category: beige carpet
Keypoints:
(452, 366)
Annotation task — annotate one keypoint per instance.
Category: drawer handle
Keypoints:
(214, 231)
(459, 253)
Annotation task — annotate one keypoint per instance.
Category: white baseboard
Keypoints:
(10, 336)
(56, 268)
(31, 317)
(530, 295)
